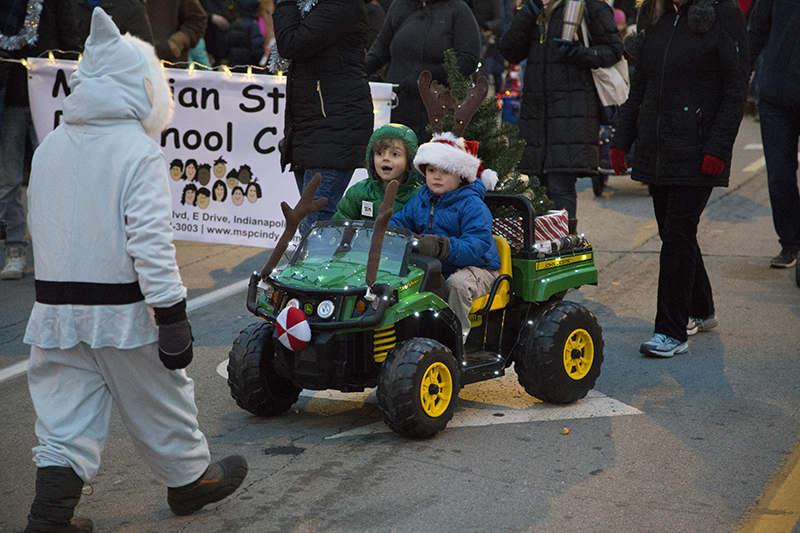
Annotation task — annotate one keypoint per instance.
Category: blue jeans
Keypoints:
(780, 131)
(561, 191)
(14, 130)
(334, 182)
(684, 289)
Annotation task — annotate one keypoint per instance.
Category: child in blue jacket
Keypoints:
(453, 221)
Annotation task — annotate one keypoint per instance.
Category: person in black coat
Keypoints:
(685, 105)
(773, 36)
(414, 37)
(329, 116)
(244, 42)
(560, 111)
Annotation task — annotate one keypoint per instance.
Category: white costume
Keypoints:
(99, 211)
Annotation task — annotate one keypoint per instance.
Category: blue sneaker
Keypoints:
(701, 324)
(662, 346)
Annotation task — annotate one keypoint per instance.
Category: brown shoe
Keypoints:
(219, 481)
(786, 259)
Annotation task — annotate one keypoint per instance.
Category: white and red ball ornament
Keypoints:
(292, 328)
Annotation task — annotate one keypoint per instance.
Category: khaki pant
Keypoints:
(73, 389)
(463, 286)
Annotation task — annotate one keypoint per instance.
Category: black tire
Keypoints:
(251, 373)
(598, 184)
(560, 353)
(401, 382)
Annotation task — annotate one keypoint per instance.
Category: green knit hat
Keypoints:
(403, 134)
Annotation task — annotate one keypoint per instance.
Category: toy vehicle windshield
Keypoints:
(348, 242)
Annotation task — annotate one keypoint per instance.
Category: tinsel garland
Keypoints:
(30, 29)
(276, 62)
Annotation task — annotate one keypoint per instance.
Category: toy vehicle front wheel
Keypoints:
(561, 353)
(418, 388)
(251, 373)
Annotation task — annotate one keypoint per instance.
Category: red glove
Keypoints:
(712, 165)
(617, 158)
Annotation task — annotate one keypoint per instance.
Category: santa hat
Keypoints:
(455, 155)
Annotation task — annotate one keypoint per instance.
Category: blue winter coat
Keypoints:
(461, 216)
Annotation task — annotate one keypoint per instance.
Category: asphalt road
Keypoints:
(702, 442)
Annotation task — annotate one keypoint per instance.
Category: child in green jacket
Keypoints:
(390, 153)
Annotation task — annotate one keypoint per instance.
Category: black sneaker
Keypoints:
(219, 481)
(786, 259)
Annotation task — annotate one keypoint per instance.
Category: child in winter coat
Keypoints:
(105, 261)
(453, 220)
(390, 151)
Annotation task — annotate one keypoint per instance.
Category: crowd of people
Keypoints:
(90, 325)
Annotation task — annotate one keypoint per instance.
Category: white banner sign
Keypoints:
(221, 148)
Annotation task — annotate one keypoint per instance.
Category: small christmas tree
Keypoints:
(496, 149)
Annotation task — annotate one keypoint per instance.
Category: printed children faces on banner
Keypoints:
(220, 150)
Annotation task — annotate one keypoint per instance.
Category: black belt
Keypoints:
(83, 293)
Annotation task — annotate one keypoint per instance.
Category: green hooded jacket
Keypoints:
(362, 200)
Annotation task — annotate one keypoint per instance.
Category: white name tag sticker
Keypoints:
(366, 208)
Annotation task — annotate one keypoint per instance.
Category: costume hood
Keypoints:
(118, 78)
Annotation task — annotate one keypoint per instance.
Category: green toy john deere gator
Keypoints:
(398, 334)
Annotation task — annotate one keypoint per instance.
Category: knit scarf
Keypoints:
(276, 62)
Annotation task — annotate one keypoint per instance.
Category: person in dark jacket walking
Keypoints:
(329, 115)
(773, 36)
(177, 27)
(685, 105)
(413, 38)
(560, 112)
(244, 42)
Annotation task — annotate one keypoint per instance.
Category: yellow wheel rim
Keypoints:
(436, 390)
(578, 354)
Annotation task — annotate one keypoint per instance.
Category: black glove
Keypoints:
(174, 336)
(533, 7)
(437, 246)
(571, 49)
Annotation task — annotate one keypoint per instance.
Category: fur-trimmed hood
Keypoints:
(118, 78)
(700, 15)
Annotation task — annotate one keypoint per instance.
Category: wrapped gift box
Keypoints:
(552, 226)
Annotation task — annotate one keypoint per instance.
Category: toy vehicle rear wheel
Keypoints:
(561, 353)
(418, 388)
(251, 373)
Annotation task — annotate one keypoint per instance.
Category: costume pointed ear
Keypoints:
(102, 28)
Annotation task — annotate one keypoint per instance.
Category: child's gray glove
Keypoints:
(437, 246)
(174, 336)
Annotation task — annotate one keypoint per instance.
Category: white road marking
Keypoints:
(754, 146)
(497, 401)
(755, 166)
(191, 305)
(14, 370)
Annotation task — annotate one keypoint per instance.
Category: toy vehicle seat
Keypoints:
(502, 284)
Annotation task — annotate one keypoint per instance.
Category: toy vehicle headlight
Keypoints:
(294, 302)
(325, 309)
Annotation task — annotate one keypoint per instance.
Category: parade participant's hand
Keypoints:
(712, 165)
(178, 42)
(174, 336)
(617, 158)
(220, 22)
(570, 49)
(437, 246)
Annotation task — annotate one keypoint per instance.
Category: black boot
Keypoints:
(58, 489)
(219, 481)
(573, 226)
